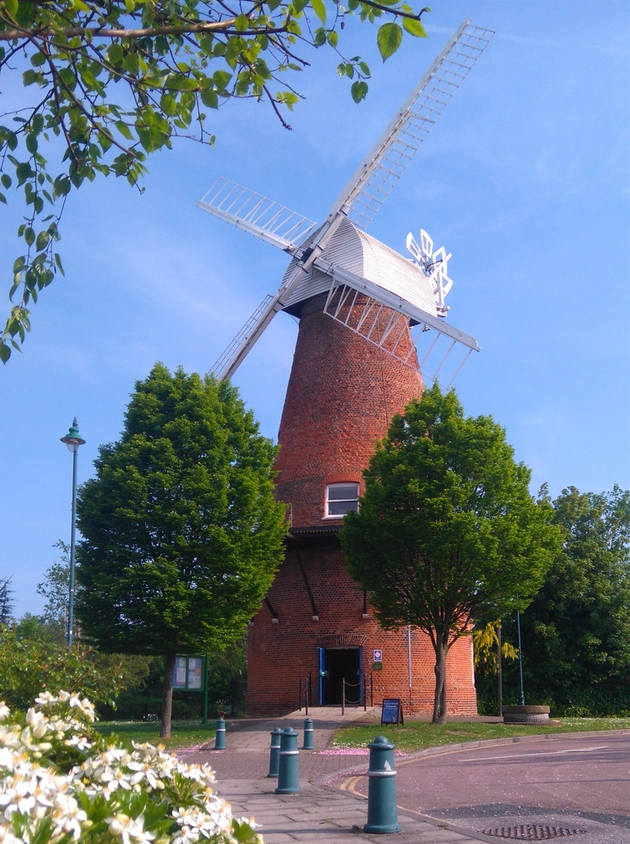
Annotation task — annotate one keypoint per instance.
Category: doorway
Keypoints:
(335, 665)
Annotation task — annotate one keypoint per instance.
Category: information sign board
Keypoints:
(392, 712)
(189, 674)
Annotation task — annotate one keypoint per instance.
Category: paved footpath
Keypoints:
(321, 813)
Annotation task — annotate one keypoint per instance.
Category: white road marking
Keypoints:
(542, 753)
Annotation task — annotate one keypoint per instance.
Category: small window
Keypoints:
(340, 498)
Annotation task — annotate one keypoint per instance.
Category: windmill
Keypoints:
(355, 364)
(361, 276)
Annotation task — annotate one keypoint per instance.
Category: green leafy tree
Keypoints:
(107, 83)
(6, 601)
(447, 530)
(31, 661)
(182, 534)
(55, 589)
(576, 631)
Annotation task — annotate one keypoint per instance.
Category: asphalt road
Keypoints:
(578, 785)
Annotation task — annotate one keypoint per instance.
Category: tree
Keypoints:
(6, 601)
(31, 661)
(55, 588)
(182, 535)
(447, 530)
(576, 632)
(110, 82)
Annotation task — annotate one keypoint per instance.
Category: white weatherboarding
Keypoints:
(361, 276)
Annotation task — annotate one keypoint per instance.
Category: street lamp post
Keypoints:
(521, 697)
(73, 441)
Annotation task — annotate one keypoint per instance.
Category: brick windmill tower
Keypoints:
(363, 308)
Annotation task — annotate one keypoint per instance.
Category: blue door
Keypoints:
(322, 685)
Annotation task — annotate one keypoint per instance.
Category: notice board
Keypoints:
(392, 711)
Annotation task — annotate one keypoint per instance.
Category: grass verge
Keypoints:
(416, 735)
(183, 733)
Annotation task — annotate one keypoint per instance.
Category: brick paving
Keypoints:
(322, 813)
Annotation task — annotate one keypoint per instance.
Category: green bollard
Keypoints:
(274, 751)
(308, 735)
(219, 741)
(288, 780)
(382, 812)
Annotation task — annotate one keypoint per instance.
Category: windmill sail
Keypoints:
(355, 208)
(256, 214)
(382, 167)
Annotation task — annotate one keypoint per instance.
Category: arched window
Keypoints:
(341, 498)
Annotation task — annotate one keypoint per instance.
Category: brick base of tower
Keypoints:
(284, 652)
(342, 394)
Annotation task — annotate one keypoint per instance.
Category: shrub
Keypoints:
(60, 782)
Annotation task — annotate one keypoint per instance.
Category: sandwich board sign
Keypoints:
(392, 711)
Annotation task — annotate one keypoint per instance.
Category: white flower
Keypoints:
(80, 742)
(186, 835)
(5, 712)
(67, 816)
(7, 758)
(129, 829)
(37, 793)
(145, 771)
(7, 837)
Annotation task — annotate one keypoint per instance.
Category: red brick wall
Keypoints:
(341, 397)
(281, 654)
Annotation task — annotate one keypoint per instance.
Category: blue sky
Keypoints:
(524, 179)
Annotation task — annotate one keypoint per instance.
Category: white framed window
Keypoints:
(340, 499)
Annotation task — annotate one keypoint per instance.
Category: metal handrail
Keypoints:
(344, 683)
(304, 682)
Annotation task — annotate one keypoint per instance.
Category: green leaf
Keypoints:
(23, 172)
(181, 83)
(210, 98)
(414, 27)
(6, 180)
(241, 23)
(132, 63)
(168, 104)
(5, 352)
(388, 39)
(220, 79)
(358, 90)
(124, 130)
(332, 36)
(42, 241)
(115, 54)
(11, 6)
(61, 186)
(319, 8)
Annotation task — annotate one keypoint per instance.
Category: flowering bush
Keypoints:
(61, 782)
